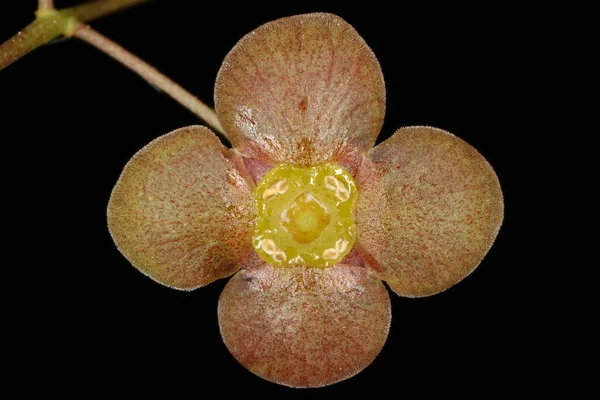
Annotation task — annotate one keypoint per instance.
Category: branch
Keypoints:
(150, 74)
(51, 23)
(39, 32)
(96, 9)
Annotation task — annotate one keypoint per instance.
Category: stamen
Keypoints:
(332, 183)
(342, 194)
(282, 186)
(278, 188)
(341, 245)
(331, 254)
(270, 192)
(279, 256)
(268, 246)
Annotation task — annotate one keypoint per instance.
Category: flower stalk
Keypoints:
(150, 74)
(51, 23)
(45, 4)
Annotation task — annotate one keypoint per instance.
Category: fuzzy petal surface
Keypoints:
(304, 327)
(303, 90)
(181, 211)
(430, 208)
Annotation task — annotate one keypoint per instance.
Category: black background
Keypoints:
(72, 118)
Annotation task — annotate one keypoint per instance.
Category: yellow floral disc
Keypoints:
(305, 216)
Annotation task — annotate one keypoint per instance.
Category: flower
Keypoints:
(307, 213)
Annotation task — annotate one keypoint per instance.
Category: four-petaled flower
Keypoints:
(312, 216)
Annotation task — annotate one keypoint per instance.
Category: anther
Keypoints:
(270, 192)
(268, 246)
(279, 256)
(341, 245)
(281, 186)
(342, 194)
(331, 254)
(332, 183)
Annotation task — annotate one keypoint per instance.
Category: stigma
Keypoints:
(305, 216)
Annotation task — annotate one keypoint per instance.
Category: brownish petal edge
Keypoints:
(182, 210)
(304, 327)
(429, 210)
(304, 89)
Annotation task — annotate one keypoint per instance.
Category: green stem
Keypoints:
(37, 33)
(51, 23)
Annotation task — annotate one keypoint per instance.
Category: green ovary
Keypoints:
(307, 221)
(305, 216)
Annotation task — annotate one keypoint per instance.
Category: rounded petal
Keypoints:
(303, 90)
(304, 327)
(429, 209)
(181, 211)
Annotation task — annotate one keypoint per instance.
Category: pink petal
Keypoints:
(304, 90)
(304, 327)
(181, 212)
(430, 207)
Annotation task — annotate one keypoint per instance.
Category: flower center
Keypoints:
(305, 215)
(305, 218)
(306, 221)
